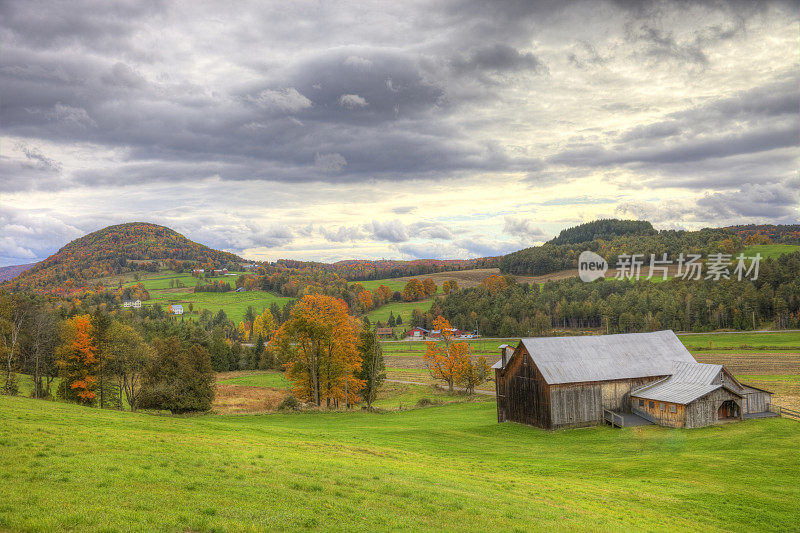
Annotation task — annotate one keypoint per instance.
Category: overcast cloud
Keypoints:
(416, 129)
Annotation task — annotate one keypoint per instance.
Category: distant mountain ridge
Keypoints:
(12, 271)
(115, 250)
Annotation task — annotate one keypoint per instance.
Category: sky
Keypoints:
(392, 130)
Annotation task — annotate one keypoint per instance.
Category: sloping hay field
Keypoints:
(64, 467)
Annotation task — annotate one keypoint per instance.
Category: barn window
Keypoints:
(641, 403)
(673, 408)
(663, 406)
(652, 405)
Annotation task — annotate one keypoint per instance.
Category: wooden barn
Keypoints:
(557, 382)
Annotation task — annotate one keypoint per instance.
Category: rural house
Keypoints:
(136, 304)
(556, 382)
(384, 332)
(175, 309)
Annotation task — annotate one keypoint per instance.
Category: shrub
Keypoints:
(290, 403)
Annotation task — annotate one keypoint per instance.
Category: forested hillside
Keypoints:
(619, 306)
(551, 257)
(115, 250)
(768, 233)
(604, 229)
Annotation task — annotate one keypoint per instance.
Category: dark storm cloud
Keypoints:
(342, 114)
(498, 58)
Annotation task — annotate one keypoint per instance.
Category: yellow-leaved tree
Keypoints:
(319, 343)
(263, 325)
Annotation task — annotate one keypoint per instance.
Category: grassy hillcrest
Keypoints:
(115, 250)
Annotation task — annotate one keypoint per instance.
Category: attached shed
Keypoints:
(695, 395)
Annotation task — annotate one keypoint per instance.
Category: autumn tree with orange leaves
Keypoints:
(319, 343)
(77, 361)
(365, 300)
(495, 283)
(446, 363)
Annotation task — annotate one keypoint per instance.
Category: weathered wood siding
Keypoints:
(526, 397)
(617, 393)
(582, 404)
(703, 411)
(662, 413)
(576, 405)
(755, 401)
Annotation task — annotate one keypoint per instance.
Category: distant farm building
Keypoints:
(556, 382)
(175, 309)
(136, 304)
(197, 271)
(417, 332)
(384, 332)
(452, 331)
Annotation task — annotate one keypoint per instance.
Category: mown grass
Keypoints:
(403, 309)
(745, 340)
(64, 467)
(270, 378)
(770, 250)
(234, 304)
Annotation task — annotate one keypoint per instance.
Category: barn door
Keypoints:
(523, 400)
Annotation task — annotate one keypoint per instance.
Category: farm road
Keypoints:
(460, 389)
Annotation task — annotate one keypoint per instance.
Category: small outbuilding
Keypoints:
(384, 332)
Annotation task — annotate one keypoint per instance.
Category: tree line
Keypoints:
(621, 306)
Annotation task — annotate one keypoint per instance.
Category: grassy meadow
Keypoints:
(267, 378)
(768, 251)
(234, 304)
(66, 467)
(744, 340)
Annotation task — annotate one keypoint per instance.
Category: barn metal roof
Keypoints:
(676, 392)
(688, 382)
(695, 373)
(606, 357)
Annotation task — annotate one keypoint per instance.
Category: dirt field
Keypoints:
(237, 399)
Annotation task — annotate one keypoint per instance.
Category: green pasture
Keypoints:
(403, 309)
(270, 379)
(745, 340)
(234, 304)
(66, 467)
(768, 251)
